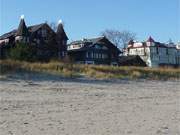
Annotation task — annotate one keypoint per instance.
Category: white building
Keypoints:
(154, 53)
(178, 53)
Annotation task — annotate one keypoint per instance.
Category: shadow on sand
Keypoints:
(39, 77)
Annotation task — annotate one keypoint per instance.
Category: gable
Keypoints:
(98, 43)
(101, 47)
(44, 26)
(104, 41)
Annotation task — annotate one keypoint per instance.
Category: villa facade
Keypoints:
(53, 44)
(154, 53)
(94, 51)
(48, 43)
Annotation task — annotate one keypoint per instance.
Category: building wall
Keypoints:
(96, 54)
(178, 57)
(143, 52)
(155, 56)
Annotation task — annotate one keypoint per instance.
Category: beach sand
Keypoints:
(46, 105)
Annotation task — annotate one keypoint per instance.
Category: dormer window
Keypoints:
(97, 47)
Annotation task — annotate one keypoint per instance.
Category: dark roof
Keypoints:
(88, 43)
(131, 42)
(9, 34)
(158, 44)
(85, 40)
(131, 61)
(34, 28)
(31, 29)
(150, 39)
(61, 33)
(22, 29)
(84, 48)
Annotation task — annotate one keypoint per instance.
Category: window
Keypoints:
(102, 56)
(87, 56)
(44, 33)
(96, 55)
(157, 50)
(77, 46)
(104, 48)
(63, 53)
(97, 47)
(39, 32)
(105, 56)
(92, 55)
(166, 51)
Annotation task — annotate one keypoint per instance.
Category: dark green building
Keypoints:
(94, 51)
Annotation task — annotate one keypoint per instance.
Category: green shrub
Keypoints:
(22, 52)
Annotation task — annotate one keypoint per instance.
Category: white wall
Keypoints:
(154, 56)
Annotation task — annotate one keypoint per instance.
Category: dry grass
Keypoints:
(104, 72)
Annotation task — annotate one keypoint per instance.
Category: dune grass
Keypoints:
(94, 71)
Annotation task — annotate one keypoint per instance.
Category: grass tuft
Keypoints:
(101, 71)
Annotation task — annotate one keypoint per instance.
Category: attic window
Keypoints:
(44, 33)
(39, 32)
(97, 47)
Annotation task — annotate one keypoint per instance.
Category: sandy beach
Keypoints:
(46, 105)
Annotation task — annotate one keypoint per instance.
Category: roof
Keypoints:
(131, 61)
(34, 28)
(31, 29)
(9, 34)
(144, 44)
(84, 48)
(61, 33)
(131, 42)
(158, 44)
(88, 43)
(150, 39)
(85, 40)
(22, 29)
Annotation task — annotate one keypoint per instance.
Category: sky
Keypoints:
(88, 18)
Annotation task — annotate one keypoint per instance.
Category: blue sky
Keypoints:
(87, 18)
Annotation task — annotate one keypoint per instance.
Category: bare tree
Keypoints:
(119, 38)
(53, 25)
